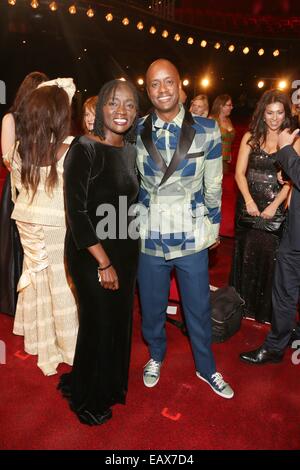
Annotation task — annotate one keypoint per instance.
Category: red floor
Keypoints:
(181, 412)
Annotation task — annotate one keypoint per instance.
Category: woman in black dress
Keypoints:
(260, 211)
(100, 187)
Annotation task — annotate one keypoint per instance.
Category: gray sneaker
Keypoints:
(151, 373)
(218, 384)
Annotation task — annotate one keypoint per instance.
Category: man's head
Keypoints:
(163, 87)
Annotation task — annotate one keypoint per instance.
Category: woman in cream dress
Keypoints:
(46, 313)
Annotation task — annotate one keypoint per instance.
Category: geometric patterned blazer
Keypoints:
(180, 204)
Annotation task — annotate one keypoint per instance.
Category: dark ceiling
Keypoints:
(55, 42)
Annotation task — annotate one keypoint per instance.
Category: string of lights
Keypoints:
(166, 31)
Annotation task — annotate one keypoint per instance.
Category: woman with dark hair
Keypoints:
(100, 187)
(88, 114)
(220, 111)
(46, 313)
(260, 211)
(11, 253)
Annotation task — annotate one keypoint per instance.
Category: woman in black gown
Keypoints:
(100, 187)
(260, 211)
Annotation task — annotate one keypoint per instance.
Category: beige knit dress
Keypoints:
(46, 313)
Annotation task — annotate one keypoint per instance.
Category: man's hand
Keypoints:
(287, 138)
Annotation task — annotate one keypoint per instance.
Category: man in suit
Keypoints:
(286, 286)
(180, 166)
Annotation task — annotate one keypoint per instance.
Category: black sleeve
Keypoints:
(290, 162)
(77, 171)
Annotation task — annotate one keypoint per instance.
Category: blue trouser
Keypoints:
(154, 285)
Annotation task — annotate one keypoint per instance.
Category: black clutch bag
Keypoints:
(274, 225)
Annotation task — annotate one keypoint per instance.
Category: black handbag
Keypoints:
(274, 225)
(226, 313)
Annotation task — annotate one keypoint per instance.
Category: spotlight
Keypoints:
(261, 84)
(185, 82)
(72, 10)
(109, 17)
(53, 6)
(205, 82)
(90, 13)
(140, 81)
(282, 84)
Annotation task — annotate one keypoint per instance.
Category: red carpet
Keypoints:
(181, 412)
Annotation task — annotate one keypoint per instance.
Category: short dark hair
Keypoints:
(106, 91)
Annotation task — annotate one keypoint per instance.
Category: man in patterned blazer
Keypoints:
(180, 166)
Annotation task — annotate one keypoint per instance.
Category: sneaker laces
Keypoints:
(152, 368)
(217, 378)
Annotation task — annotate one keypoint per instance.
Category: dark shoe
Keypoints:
(261, 356)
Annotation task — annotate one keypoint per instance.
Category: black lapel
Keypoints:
(187, 135)
(146, 136)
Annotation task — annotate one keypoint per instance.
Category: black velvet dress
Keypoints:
(255, 249)
(98, 174)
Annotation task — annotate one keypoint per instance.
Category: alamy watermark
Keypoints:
(2, 352)
(296, 353)
(163, 220)
(296, 94)
(2, 92)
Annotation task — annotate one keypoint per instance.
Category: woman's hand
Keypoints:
(269, 211)
(252, 208)
(108, 278)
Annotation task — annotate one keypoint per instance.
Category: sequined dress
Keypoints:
(255, 250)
